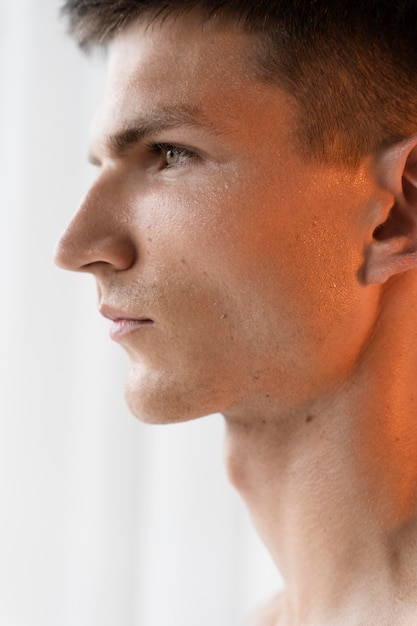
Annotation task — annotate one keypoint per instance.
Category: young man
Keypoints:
(253, 233)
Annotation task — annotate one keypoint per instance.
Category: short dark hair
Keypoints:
(351, 65)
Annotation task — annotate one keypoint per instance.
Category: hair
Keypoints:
(351, 65)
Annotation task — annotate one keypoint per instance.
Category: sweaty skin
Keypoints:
(257, 289)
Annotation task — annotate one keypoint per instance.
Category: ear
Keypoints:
(393, 248)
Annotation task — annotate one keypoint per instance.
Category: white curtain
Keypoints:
(103, 521)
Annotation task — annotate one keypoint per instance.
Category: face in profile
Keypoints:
(229, 265)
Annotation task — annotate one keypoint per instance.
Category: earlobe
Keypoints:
(393, 248)
(388, 258)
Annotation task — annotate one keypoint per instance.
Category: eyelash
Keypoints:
(161, 149)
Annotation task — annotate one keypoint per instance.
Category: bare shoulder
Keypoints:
(270, 614)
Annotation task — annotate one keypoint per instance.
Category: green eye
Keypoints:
(172, 156)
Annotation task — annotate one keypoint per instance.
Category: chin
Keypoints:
(161, 398)
(160, 403)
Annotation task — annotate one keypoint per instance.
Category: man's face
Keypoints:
(239, 261)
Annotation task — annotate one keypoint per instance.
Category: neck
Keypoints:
(332, 488)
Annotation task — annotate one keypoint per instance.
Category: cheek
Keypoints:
(271, 261)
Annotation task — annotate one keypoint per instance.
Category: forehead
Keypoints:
(149, 56)
(182, 64)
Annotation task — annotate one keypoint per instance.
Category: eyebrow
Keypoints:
(133, 132)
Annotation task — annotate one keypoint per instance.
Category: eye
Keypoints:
(173, 156)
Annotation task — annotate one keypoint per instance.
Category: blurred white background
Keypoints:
(103, 521)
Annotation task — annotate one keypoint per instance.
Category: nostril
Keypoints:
(116, 250)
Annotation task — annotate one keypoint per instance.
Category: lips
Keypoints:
(121, 328)
(122, 323)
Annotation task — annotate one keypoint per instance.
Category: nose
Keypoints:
(98, 235)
